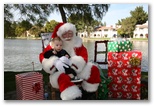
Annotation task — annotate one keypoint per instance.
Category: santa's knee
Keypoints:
(94, 76)
(91, 76)
(71, 93)
(68, 90)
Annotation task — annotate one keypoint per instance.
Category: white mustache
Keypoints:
(67, 38)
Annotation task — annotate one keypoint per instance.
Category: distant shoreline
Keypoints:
(84, 39)
(100, 39)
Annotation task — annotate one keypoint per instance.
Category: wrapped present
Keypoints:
(103, 88)
(125, 59)
(102, 92)
(124, 83)
(119, 46)
(124, 71)
(29, 86)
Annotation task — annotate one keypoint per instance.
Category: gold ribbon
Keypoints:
(135, 61)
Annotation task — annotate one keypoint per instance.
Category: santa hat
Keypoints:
(62, 28)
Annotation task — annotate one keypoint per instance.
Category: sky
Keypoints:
(115, 12)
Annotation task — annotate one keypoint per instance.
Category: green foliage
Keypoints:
(82, 25)
(36, 13)
(35, 30)
(85, 11)
(7, 13)
(22, 27)
(19, 31)
(119, 22)
(138, 16)
(49, 27)
(9, 29)
(127, 26)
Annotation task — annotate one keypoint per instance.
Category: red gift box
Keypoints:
(29, 86)
(125, 77)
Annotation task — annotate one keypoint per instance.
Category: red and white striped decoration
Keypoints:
(27, 84)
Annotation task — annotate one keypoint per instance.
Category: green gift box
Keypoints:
(102, 92)
(103, 88)
(119, 46)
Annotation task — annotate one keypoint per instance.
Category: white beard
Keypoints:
(69, 47)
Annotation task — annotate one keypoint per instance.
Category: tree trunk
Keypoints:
(62, 12)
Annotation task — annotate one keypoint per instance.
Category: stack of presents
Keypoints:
(124, 70)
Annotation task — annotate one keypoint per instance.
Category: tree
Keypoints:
(22, 27)
(118, 23)
(9, 29)
(49, 27)
(104, 24)
(38, 13)
(139, 15)
(82, 25)
(35, 30)
(35, 13)
(127, 27)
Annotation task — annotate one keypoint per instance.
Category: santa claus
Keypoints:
(79, 62)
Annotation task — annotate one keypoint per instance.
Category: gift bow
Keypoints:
(135, 61)
(36, 87)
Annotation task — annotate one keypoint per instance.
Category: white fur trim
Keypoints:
(89, 87)
(66, 27)
(79, 62)
(71, 93)
(48, 63)
(54, 79)
(85, 74)
(77, 41)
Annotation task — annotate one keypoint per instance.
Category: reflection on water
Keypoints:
(19, 54)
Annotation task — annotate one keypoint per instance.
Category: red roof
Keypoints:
(105, 27)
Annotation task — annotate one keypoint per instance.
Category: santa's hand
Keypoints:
(64, 59)
(60, 65)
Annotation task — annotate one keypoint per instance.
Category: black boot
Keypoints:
(79, 98)
(88, 95)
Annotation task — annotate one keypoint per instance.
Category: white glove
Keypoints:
(65, 59)
(60, 65)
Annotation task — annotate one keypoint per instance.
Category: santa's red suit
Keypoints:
(79, 61)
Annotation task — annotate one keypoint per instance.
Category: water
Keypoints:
(19, 54)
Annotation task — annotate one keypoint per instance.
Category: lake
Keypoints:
(19, 54)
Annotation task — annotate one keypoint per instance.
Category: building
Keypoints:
(105, 32)
(100, 32)
(141, 31)
(83, 34)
